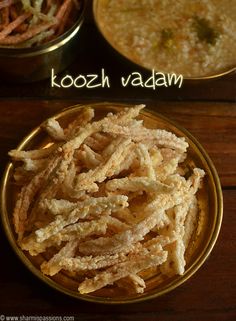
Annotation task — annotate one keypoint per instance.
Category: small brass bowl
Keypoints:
(210, 197)
(24, 65)
(109, 38)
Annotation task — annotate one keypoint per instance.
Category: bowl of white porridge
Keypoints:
(194, 38)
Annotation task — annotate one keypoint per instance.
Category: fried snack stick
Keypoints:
(85, 116)
(52, 266)
(25, 172)
(64, 19)
(27, 7)
(185, 212)
(69, 148)
(54, 129)
(145, 167)
(98, 141)
(123, 239)
(160, 136)
(154, 214)
(91, 206)
(135, 184)
(175, 263)
(67, 187)
(36, 39)
(37, 5)
(132, 283)
(13, 25)
(190, 222)
(31, 32)
(33, 154)
(132, 266)
(53, 182)
(115, 225)
(120, 118)
(75, 143)
(167, 168)
(86, 181)
(98, 262)
(90, 158)
(86, 263)
(26, 195)
(62, 10)
(77, 231)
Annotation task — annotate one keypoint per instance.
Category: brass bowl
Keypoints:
(210, 196)
(97, 5)
(24, 65)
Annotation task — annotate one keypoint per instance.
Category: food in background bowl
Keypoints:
(113, 206)
(27, 23)
(52, 48)
(189, 37)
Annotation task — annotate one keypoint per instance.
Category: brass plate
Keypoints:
(210, 197)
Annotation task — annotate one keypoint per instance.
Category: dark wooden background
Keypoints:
(207, 109)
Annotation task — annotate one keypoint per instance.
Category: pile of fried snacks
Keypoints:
(107, 199)
(27, 23)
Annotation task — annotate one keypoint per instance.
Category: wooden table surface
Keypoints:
(208, 110)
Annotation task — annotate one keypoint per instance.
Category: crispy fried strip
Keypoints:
(91, 263)
(24, 173)
(52, 266)
(35, 11)
(90, 158)
(167, 168)
(190, 222)
(37, 6)
(57, 206)
(27, 193)
(50, 185)
(77, 231)
(157, 208)
(132, 282)
(32, 154)
(94, 206)
(84, 181)
(36, 39)
(13, 25)
(54, 129)
(31, 32)
(133, 265)
(137, 133)
(98, 141)
(116, 225)
(64, 18)
(145, 161)
(123, 239)
(125, 215)
(85, 116)
(119, 118)
(62, 10)
(134, 184)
